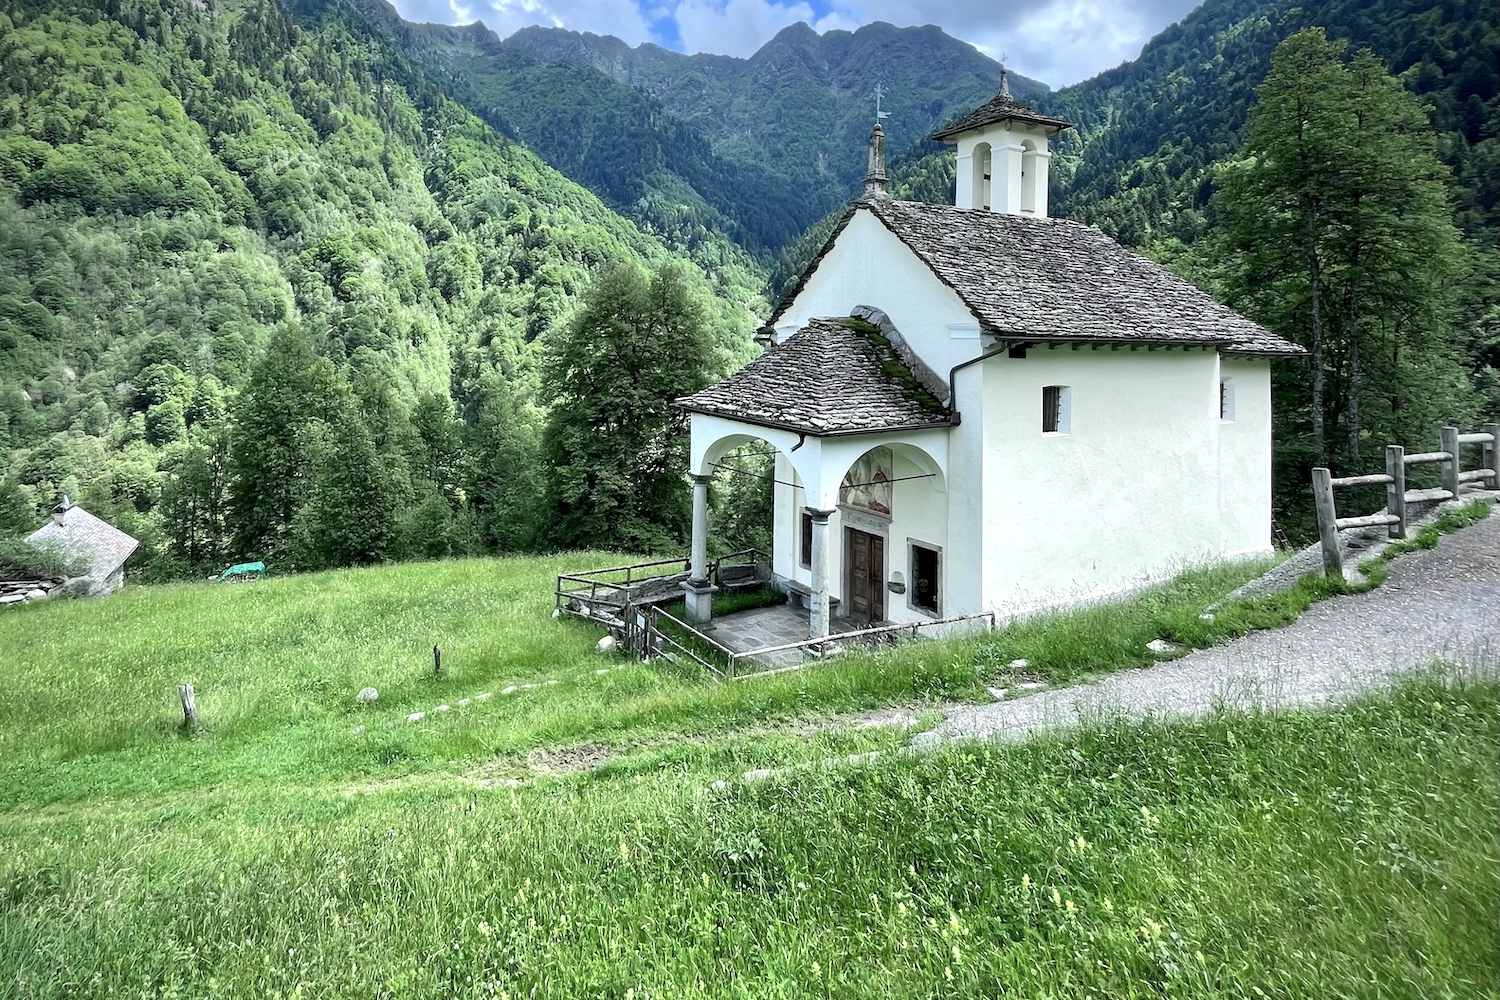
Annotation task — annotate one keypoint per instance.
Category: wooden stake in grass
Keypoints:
(189, 707)
(437, 662)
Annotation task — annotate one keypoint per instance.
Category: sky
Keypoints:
(1056, 41)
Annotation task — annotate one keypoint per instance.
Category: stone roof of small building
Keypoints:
(83, 535)
(1000, 108)
(832, 377)
(1040, 279)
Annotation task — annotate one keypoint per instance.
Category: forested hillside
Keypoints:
(182, 186)
(757, 148)
(1139, 162)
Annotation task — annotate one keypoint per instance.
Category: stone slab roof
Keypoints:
(83, 535)
(1036, 279)
(1002, 107)
(832, 377)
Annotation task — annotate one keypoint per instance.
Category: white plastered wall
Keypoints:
(1133, 493)
(1245, 459)
(869, 265)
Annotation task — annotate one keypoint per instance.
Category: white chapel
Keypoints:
(978, 407)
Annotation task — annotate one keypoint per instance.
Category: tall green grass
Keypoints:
(1350, 853)
(90, 707)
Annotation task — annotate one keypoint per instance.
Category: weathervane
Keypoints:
(879, 93)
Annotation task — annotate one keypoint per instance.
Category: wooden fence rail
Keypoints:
(1397, 496)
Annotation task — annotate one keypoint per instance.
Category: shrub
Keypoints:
(20, 558)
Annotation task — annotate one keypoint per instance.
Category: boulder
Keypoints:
(1019, 664)
(367, 695)
(606, 645)
(1161, 647)
(36, 595)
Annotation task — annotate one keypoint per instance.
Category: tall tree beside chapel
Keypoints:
(615, 445)
(1336, 232)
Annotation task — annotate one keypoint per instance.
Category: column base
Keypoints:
(698, 595)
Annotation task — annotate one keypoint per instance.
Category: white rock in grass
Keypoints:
(367, 695)
(1207, 616)
(1161, 647)
(484, 696)
(1019, 664)
(37, 594)
(416, 717)
(998, 693)
(606, 645)
(557, 612)
(601, 671)
(462, 702)
(549, 684)
(510, 690)
(443, 708)
(358, 729)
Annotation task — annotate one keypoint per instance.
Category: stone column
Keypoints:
(699, 590)
(817, 626)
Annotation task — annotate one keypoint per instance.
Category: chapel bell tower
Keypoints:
(1003, 155)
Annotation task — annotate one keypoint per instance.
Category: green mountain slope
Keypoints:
(1149, 132)
(803, 103)
(175, 182)
(612, 138)
(758, 149)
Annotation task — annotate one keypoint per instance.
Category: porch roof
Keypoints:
(832, 377)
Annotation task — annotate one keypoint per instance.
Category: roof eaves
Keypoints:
(795, 428)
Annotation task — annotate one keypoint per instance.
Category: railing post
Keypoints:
(1395, 490)
(1450, 467)
(1492, 454)
(1328, 529)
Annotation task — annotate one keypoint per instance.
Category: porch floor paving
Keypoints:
(757, 628)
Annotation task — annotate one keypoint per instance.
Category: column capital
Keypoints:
(701, 479)
(818, 515)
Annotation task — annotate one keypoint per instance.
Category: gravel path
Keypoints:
(1441, 602)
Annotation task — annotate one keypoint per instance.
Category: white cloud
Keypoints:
(739, 27)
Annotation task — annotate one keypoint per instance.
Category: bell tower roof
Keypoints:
(1000, 108)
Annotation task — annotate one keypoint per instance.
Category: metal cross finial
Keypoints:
(879, 93)
(1004, 83)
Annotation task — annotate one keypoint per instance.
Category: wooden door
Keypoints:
(866, 576)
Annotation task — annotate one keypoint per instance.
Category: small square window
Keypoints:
(1226, 399)
(925, 577)
(806, 540)
(1056, 407)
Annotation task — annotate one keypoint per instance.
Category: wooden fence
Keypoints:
(1393, 518)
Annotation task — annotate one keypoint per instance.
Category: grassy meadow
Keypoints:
(568, 839)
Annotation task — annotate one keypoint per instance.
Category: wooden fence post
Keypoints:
(1450, 467)
(189, 707)
(1492, 454)
(1328, 529)
(1395, 490)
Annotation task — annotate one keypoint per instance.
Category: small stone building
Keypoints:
(82, 535)
(976, 407)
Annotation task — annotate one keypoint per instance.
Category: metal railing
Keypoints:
(729, 664)
(614, 587)
(1397, 495)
